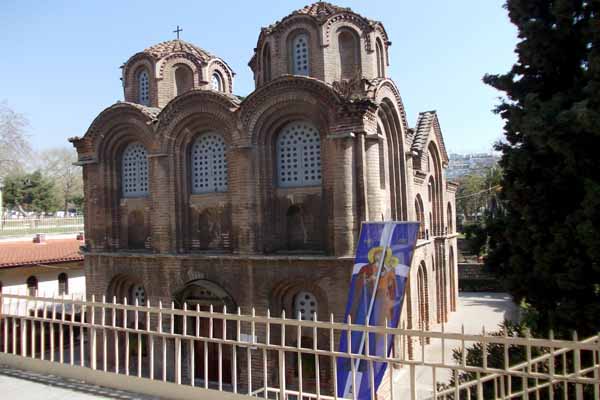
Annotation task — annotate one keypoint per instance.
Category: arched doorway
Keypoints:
(202, 294)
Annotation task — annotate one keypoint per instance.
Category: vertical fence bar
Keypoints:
(61, 339)
(82, 334)
(150, 337)
(52, 332)
(115, 333)
(72, 333)
(104, 336)
(577, 368)
(125, 323)
(92, 331)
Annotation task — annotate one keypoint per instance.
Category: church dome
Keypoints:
(161, 72)
(323, 41)
(164, 49)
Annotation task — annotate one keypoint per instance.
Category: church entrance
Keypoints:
(202, 294)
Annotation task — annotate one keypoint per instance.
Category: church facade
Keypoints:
(196, 195)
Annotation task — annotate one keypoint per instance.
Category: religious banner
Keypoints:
(381, 267)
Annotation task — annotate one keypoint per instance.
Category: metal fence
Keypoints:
(234, 354)
(26, 226)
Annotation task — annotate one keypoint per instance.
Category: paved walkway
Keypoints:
(475, 311)
(25, 385)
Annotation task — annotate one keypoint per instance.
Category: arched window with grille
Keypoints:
(134, 171)
(63, 284)
(305, 306)
(300, 54)
(144, 88)
(209, 164)
(299, 155)
(216, 82)
(32, 286)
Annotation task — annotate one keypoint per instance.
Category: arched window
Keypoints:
(419, 211)
(32, 286)
(184, 79)
(300, 54)
(216, 82)
(134, 171)
(144, 88)
(209, 164)
(266, 63)
(137, 292)
(305, 306)
(349, 54)
(450, 219)
(380, 59)
(63, 284)
(299, 155)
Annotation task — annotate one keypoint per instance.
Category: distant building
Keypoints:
(473, 163)
(46, 266)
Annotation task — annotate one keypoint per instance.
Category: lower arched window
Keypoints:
(134, 171)
(32, 286)
(209, 164)
(305, 306)
(299, 155)
(63, 284)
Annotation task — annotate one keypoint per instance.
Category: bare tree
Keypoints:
(57, 164)
(15, 149)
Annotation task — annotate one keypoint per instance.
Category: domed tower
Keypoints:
(155, 76)
(322, 41)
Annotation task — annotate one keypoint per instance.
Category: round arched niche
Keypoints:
(204, 293)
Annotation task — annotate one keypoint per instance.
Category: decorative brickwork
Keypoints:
(262, 241)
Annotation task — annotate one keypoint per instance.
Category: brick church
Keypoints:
(196, 195)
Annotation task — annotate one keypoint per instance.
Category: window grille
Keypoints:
(217, 82)
(305, 305)
(299, 155)
(300, 54)
(209, 164)
(138, 293)
(144, 88)
(134, 171)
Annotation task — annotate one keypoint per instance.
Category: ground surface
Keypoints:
(25, 385)
(474, 311)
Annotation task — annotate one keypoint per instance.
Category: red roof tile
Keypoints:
(16, 254)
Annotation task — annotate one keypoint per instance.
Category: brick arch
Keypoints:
(437, 198)
(422, 297)
(130, 78)
(350, 54)
(390, 120)
(420, 214)
(180, 124)
(218, 65)
(452, 278)
(283, 293)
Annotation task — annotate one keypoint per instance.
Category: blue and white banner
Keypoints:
(381, 267)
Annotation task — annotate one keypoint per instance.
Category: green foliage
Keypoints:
(476, 237)
(30, 192)
(546, 245)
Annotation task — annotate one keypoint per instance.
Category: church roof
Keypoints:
(425, 122)
(321, 11)
(164, 49)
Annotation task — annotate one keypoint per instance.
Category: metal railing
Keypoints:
(281, 358)
(26, 226)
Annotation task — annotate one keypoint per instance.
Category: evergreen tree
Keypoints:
(30, 192)
(548, 246)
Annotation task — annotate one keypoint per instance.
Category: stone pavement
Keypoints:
(474, 311)
(24, 385)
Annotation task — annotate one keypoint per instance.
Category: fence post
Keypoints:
(93, 334)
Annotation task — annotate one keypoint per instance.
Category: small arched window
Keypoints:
(144, 88)
(134, 171)
(300, 54)
(32, 286)
(216, 82)
(380, 58)
(450, 219)
(299, 155)
(420, 216)
(63, 284)
(305, 306)
(137, 293)
(209, 164)
(266, 63)
(349, 54)
(184, 79)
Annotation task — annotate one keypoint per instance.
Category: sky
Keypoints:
(61, 59)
